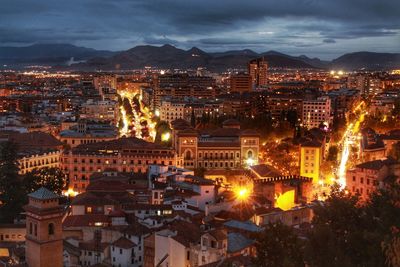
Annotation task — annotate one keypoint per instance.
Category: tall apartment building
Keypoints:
(316, 112)
(106, 85)
(258, 70)
(240, 83)
(172, 109)
(103, 110)
(369, 85)
(181, 86)
(311, 155)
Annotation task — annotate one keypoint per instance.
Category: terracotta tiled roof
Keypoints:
(231, 122)
(124, 143)
(187, 233)
(92, 246)
(264, 170)
(35, 140)
(219, 144)
(104, 198)
(218, 234)
(85, 220)
(124, 243)
(249, 132)
(376, 164)
(133, 229)
(312, 143)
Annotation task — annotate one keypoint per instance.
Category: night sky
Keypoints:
(313, 27)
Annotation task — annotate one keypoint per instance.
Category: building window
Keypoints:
(51, 229)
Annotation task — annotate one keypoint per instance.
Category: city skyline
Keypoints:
(317, 29)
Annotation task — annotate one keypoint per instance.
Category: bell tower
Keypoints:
(44, 242)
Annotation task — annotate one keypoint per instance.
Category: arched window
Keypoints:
(249, 154)
(51, 228)
(188, 155)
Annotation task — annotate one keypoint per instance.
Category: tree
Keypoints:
(161, 128)
(347, 232)
(332, 153)
(392, 251)
(192, 119)
(291, 117)
(395, 151)
(53, 179)
(11, 193)
(396, 109)
(200, 172)
(278, 246)
(121, 123)
(128, 108)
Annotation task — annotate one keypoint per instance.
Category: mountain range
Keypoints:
(168, 56)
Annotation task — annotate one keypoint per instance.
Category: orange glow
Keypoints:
(70, 193)
(285, 201)
(242, 193)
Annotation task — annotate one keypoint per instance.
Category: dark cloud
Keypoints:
(216, 25)
(329, 41)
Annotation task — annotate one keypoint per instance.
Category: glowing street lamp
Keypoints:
(250, 162)
(242, 193)
(165, 137)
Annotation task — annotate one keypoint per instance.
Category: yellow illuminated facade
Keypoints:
(310, 160)
(285, 201)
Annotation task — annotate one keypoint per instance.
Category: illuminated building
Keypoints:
(182, 85)
(372, 146)
(173, 109)
(369, 176)
(311, 154)
(86, 132)
(122, 155)
(105, 84)
(191, 246)
(31, 161)
(44, 238)
(222, 148)
(269, 183)
(316, 112)
(240, 83)
(105, 110)
(258, 70)
(291, 217)
(36, 150)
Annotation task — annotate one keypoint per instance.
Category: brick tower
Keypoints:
(44, 243)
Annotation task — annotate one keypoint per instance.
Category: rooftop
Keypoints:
(43, 194)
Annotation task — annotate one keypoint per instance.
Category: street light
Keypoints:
(165, 137)
(242, 193)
